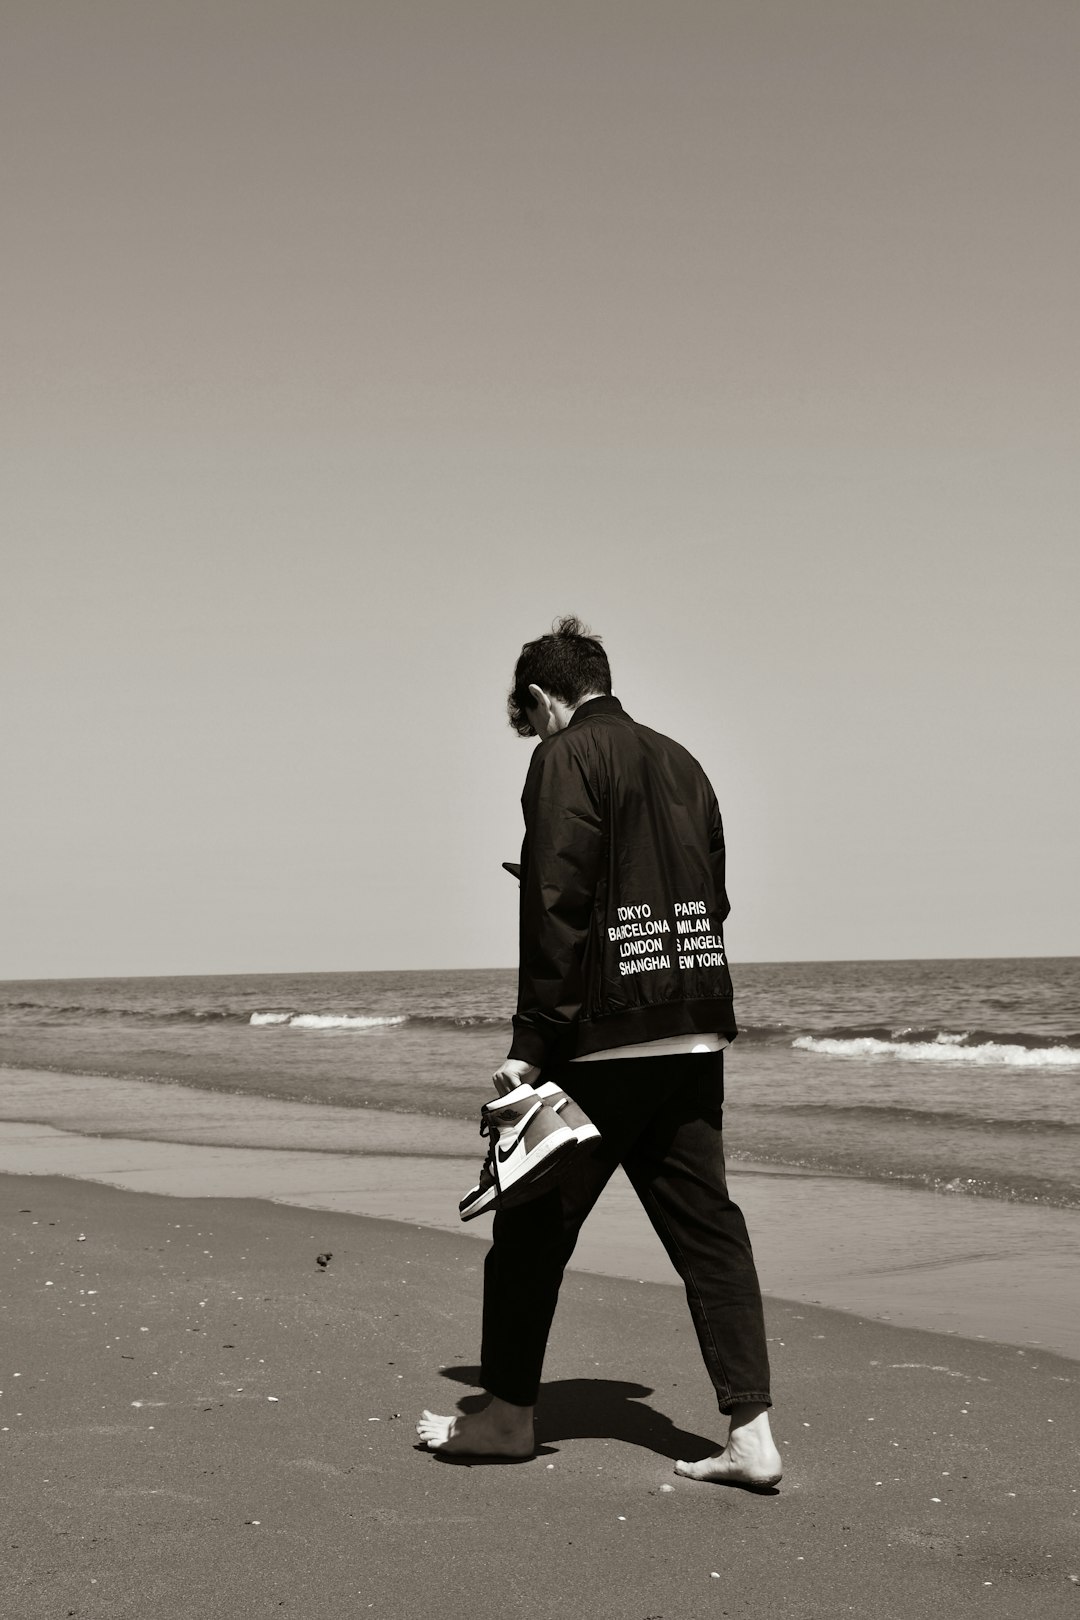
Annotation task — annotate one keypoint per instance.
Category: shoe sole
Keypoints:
(586, 1133)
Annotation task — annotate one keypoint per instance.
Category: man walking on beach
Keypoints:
(625, 1004)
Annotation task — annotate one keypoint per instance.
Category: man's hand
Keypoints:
(514, 1073)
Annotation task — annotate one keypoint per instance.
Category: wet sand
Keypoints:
(205, 1423)
(949, 1263)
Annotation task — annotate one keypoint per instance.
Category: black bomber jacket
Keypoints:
(622, 893)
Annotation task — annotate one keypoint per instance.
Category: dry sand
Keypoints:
(204, 1424)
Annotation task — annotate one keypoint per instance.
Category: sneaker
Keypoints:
(527, 1142)
(568, 1111)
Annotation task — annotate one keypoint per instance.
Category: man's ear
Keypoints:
(543, 704)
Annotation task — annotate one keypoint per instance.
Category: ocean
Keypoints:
(956, 1076)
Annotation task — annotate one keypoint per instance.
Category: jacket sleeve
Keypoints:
(718, 858)
(560, 869)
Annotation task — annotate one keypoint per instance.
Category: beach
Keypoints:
(197, 1419)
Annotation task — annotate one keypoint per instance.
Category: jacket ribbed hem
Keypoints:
(714, 1016)
(631, 1026)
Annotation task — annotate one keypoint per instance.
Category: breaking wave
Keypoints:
(293, 1019)
(867, 1040)
(335, 1020)
(329, 1020)
(943, 1048)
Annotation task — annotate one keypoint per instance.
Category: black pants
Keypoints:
(660, 1118)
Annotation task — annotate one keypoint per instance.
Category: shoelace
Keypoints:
(489, 1161)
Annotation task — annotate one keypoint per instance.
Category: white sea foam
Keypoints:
(944, 1049)
(327, 1020)
(342, 1021)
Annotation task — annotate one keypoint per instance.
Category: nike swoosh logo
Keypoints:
(502, 1154)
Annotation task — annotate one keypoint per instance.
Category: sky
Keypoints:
(348, 343)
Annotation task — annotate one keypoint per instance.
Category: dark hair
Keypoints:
(568, 663)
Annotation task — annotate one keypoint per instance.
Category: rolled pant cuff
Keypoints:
(514, 1395)
(752, 1397)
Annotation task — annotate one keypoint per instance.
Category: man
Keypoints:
(624, 1004)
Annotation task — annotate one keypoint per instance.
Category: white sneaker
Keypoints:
(569, 1112)
(527, 1143)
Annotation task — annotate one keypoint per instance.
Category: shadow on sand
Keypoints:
(598, 1409)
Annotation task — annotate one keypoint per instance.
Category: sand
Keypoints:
(206, 1424)
(969, 1265)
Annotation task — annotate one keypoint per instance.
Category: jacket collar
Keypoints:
(598, 705)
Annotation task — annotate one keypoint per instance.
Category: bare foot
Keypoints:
(750, 1457)
(499, 1430)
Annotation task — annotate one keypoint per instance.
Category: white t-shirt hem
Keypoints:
(666, 1046)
